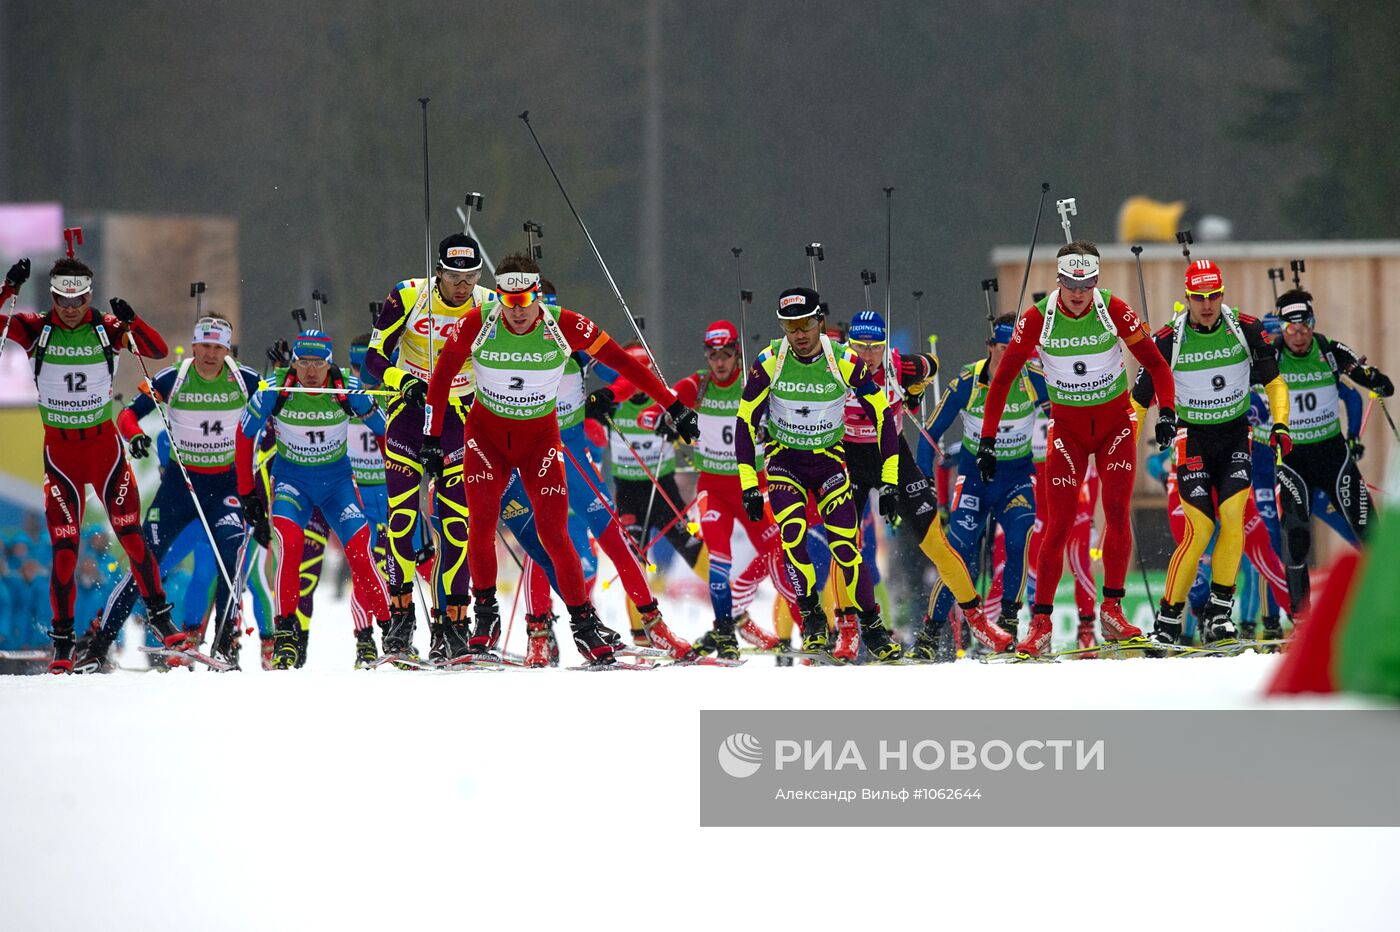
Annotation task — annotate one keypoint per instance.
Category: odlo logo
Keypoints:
(740, 755)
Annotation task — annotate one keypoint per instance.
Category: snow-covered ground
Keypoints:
(333, 799)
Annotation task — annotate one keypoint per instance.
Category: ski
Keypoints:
(1019, 657)
(188, 654)
(704, 661)
(402, 662)
(615, 665)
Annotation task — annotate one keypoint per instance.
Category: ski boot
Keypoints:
(1009, 620)
(847, 636)
(92, 655)
(265, 650)
(303, 639)
(226, 644)
(705, 644)
(1114, 623)
(1086, 638)
(722, 637)
(814, 626)
(365, 653)
(63, 646)
(1037, 640)
(881, 647)
(934, 644)
(541, 649)
(1166, 632)
(1272, 630)
(750, 631)
(986, 632)
(437, 638)
(398, 634)
(662, 636)
(589, 635)
(287, 638)
(784, 657)
(457, 636)
(1249, 631)
(1217, 627)
(486, 623)
(158, 619)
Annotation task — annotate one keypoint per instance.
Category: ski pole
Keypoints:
(745, 299)
(603, 500)
(426, 501)
(642, 463)
(919, 318)
(307, 390)
(617, 292)
(892, 385)
(1030, 256)
(649, 544)
(1388, 419)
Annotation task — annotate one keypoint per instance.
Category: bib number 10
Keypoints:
(1307, 401)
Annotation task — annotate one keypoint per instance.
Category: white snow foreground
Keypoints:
(329, 798)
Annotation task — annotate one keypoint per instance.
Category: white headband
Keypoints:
(514, 282)
(70, 285)
(1076, 266)
(213, 330)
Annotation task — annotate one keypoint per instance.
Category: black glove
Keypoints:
(280, 354)
(986, 461)
(889, 504)
(1381, 384)
(18, 273)
(122, 311)
(1357, 448)
(686, 421)
(601, 405)
(753, 504)
(414, 391)
(1166, 428)
(139, 446)
(255, 513)
(430, 455)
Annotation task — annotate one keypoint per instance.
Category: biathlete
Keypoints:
(1080, 330)
(74, 351)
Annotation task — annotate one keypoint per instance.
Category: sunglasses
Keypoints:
(861, 345)
(1203, 296)
(721, 352)
(802, 325)
(1078, 284)
(458, 278)
(518, 299)
(1298, 324)
(77, 300)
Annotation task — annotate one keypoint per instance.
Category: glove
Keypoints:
(1166, 428)
(889, 504)
(414, 391)
(666, 429)
(18, 273)
(139, 446)
(430, 454)
(122, 311)
(1281, 440)
(686, 421)
(280, 353)
(1354, 444)
(753, 504)
(255, 513)
(986, 461)
(601, 405)
(1381, 385)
